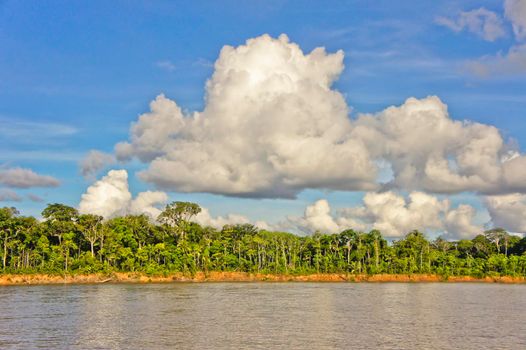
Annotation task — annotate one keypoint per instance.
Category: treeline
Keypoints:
(66, 241)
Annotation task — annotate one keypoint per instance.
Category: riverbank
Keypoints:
(133, 277)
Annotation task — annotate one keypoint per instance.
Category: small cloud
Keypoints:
(507, 211)
(34, 198)
(203, 62)
(7, 195)
(481, 22)
(94, 162)
(26, 178)
(205, 219)
(166, 65)
(509, 64)
(110, 196)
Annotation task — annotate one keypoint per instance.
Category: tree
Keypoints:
(59, 212)
(7, 228)
(61, 221)
(375, 238)
(140, 226)
(414, 246)
(90, 226)
(482, 246)
(497, 236)
(177, 215)
(60, 218)
(134, 243)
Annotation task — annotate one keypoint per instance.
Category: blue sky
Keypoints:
(74, 75)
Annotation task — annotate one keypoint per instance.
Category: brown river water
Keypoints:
(264, 316)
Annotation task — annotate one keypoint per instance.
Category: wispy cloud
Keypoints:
(166, 65)
(8, 155)
(34, 198)
(7, 195)
(481, 22)
(512, 63)
(170, 66)
(203, 62)
(30, 132)
(370, 63)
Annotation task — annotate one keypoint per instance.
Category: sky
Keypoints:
(291, 115)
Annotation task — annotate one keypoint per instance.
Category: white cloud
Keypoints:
(317, 217)
(26, 178)
(110, 197)
(459, 222)
(515, 11)
(388, 212)
(148, 203)
(393, 215)
(427, 150)
(508, 211)
(95, 161)
(107, 197)
(205, 219)
(482, 22)
(7, 195)
(272, 126)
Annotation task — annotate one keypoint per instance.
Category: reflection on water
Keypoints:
(264, 315)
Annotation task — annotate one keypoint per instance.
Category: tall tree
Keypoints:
(7, 227)
(90, 226)
(60, 218)
(497, 236)
(178, 214)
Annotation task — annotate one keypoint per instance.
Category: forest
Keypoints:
(65, 241)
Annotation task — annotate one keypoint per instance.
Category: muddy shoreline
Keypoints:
(216, 276)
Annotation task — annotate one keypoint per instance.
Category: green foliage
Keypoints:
(67, 241)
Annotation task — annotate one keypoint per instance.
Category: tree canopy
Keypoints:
(67, 241)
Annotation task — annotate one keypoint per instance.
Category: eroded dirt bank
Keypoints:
(120, 277)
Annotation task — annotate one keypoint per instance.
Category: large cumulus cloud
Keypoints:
(273, 126)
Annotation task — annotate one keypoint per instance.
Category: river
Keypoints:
(264, 316)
